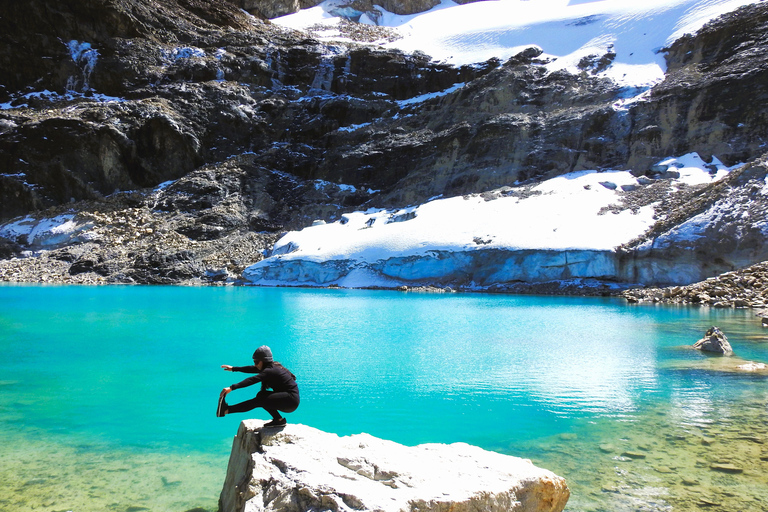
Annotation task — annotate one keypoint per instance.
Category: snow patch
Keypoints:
(353, 127)
(692, 170)
(566, 30)
(22, 101)
(323, 185)
(185, 52)
(85, 57)
(425, 97)
(631, 97)
(45, 233)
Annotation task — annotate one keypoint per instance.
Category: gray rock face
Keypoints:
(299, 468)
(712, 80)
(275, 8)
(272, 8)
(714, 341)
(186, 84)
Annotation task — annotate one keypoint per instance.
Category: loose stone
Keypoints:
(707, 502)
(726, 468)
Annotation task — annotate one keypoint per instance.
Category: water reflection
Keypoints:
(693, 406)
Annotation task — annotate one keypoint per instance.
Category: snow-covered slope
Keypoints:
(566, 30)
(563, 228)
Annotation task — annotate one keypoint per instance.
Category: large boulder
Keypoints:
(714, 341)
(300, 468)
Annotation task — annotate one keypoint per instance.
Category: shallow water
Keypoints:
(107, 394)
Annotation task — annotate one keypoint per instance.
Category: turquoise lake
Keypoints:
(108, 394)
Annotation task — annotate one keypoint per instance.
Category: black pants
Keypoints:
(271, 401)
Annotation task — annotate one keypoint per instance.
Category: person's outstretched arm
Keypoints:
(243, 369)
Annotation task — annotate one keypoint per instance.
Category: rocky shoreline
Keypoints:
(225, 260)
(745, 288)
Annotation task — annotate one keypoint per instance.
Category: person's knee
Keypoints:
(263, 394)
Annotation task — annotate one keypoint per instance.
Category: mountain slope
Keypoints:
(176, 141)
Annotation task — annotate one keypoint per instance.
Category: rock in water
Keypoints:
(299, 468)
(714, 341)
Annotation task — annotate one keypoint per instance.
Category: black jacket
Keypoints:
(275, 377)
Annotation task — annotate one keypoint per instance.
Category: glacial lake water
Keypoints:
(108, 394)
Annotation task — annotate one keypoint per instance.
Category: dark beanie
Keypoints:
(263, 353)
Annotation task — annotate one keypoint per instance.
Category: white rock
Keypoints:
(299, 468)
(752, 366)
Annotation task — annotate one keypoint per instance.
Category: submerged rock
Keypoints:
(714, 341)
(300, 468)
(726, 468)
(752, 366)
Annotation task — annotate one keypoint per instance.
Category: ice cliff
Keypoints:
(300, 468)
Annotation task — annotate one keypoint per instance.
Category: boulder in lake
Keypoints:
(299, 468)
(714, 341)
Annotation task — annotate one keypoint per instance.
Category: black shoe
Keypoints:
(276, 423)
(222, 408)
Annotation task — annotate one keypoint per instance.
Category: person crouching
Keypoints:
(279, 391)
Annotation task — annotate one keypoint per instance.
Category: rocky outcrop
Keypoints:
(714, 341)
(299, 468)
(351, 9)
(713, 80)
(119, 96)
(204, 228)
(273, 8)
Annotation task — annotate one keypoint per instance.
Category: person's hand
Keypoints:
(227, 367)
(225, 391)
